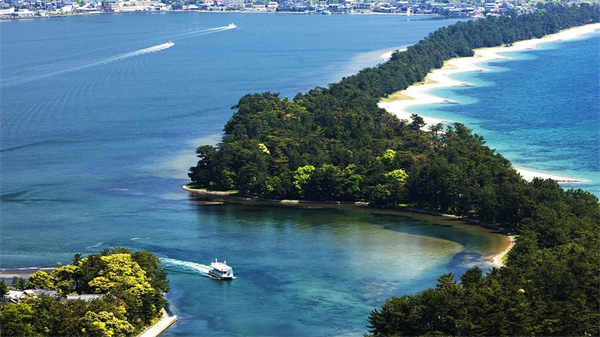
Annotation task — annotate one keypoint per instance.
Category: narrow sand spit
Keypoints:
(400, 103)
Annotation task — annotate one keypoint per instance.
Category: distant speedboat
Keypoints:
(231, 26)
(170, 43)
(220, 271)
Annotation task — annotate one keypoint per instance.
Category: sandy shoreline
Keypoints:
(6, 273)
(400, 103)
(496, 259)
(160, 326)
(204, 198)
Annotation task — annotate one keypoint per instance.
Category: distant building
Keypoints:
(16, 296)
(84, 297)
(233, 4)
(24, 13)
(7, 11)
(20, 295)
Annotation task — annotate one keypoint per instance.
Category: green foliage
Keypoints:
(335, 143)
(16, 319)
(105, 324)
(549, 292)
(121, 273)
(41, 280)
(302, 177)
(64, 277)
(132, 284)
(398, 176)
(19, 283)
(3, 288)
(289, 149)
(550, 286)
(154, 272)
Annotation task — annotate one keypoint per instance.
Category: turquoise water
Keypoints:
(97, 133)
(540, 108)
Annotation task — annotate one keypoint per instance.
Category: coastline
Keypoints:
(400, 103)
(497, 260)
(160, 326)
(7, 273)
(203, 197)
(18, 18)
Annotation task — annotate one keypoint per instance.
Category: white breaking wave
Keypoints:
(184, 266)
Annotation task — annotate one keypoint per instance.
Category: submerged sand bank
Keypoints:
(401, 103)
(495, 236)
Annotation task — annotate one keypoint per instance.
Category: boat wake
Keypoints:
(111, 59)
(184, 266)
(139, 52)
(201, 32)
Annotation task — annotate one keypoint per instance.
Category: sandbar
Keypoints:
(400, 103)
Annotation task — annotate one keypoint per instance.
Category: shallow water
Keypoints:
(540, 109)
(97, 133)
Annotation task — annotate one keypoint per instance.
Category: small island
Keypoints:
(114, 293)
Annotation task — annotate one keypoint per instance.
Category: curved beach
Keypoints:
(401, 103)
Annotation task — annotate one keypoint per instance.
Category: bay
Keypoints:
(98, 131)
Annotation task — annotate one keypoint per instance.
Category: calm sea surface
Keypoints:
(99, 125)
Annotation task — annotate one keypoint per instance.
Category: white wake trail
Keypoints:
(111, 59)
(184, 266)
(139, 52)
(201, 32)
(153, 49)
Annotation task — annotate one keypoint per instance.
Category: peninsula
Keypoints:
(401, 102)
(335, 143)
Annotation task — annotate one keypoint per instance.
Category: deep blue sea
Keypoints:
(97, 132)
(540, 108)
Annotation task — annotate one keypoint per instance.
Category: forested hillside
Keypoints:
(335, 144)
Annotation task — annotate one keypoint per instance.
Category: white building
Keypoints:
(20, 295)
(7, 11)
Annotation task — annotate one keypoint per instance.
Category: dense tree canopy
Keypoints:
(335, 144)
(132, 285)
(549, 287)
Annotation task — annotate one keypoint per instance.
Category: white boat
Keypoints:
(220, 271)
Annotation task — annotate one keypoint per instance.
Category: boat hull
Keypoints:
(219, 277)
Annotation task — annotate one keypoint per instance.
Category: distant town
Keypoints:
(15, 9)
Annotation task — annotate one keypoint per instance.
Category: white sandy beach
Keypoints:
(418, 94)
(496, 260)
(528, 175)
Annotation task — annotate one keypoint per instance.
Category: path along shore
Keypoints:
(400, 103)
(159, 327)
